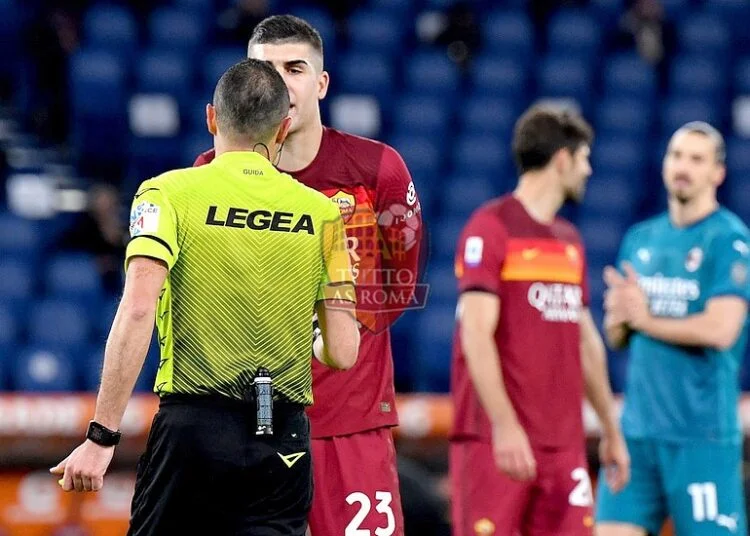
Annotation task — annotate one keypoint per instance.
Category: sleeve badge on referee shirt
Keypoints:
(144, 218)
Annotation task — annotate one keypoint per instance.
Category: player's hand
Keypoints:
(614, 457)
(512, 451)
(84, 469)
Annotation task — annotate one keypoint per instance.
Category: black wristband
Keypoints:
(101, 435)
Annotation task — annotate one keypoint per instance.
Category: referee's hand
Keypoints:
(84, 469)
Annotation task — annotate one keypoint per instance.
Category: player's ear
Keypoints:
(323, 81)
(720, 175)
(211, 119)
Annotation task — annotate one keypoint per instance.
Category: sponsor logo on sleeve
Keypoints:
(694, 259)
(739, 273)
(411, 194)
(144, 218)
(473, 250)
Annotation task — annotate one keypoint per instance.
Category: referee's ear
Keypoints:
(211, 119)
(283, 131)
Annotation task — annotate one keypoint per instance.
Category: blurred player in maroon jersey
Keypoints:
(356, 481)
(526, 350)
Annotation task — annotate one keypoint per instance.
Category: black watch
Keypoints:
(101, 435)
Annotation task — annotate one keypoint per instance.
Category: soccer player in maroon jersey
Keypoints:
(355, 475)
(526, 349)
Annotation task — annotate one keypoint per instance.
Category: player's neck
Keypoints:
(301, 148)
(540, 201)
(685, 214)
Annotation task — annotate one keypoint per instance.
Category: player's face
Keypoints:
(578, 171)
(302, 70)
(690, 167)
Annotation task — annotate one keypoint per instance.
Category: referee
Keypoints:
(231, 260)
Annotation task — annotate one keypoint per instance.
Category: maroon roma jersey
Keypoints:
(539, 273)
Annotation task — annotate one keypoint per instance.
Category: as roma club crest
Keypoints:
(347, 204)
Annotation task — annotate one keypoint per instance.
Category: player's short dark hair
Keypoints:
(280, 29)
(701, 127)
(251, 100)
(542, 131)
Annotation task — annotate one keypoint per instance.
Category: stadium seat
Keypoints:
(602, 238)
(216, 63)
(403, 8)
(674, 9)
(421, 115)
(165, 71)
(464, 193)
(176, 29)
(434, 342)
(366, 73)
(204, 8)
(628, 75)
(742, 76)
(489, 115)
(677, 111)
(9, 328)
(43, 369)
(19, 237)
(697, 76)
(499, 76)
(98, 91)
(623, 116)
(611, 195)
(112, 28)
(74, 276)
(376, 31)
(445, 234)
(16, 279)
(442, 281)
(475, 153)
(59, 323)
(619, 154)
(562, 76)
(509, 33)
(706, 34)
(574, 33)
(421, 154)
(432, 73)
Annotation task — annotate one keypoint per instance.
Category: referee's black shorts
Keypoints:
(205, 472)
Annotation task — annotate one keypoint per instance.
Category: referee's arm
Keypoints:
(124, 355)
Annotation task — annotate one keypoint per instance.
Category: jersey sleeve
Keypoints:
(729, 270)
(153, 226)
(337, 281)
(399, 214)
(205, 158)
(585, 286)
(480, 254)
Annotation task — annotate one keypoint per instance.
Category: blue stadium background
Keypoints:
(449, 110)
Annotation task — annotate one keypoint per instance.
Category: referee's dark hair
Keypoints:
(542, 131)
(251, 100)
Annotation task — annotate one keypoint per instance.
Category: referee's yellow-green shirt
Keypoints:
(250, 251)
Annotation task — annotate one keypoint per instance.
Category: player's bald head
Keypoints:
(704, 129)
(251, 100)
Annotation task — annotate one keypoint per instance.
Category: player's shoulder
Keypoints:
(649, 227)
(729, 223)
(497, 211)
(359, 151)
(305, 194)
